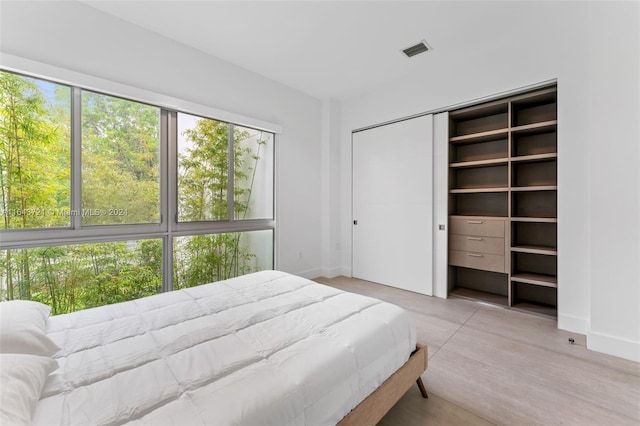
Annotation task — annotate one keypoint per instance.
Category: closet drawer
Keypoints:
(483, 261)
(489, 245)
(474, 226)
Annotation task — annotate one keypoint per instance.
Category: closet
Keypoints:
(502, 238)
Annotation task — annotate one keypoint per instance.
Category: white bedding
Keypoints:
(263, 349)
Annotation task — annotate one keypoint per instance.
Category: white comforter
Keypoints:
(264, 349)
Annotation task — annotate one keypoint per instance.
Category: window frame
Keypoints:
(168, 227)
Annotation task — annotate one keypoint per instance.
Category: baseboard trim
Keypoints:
(324, 272)
(309, 273)
(345, 271)
(616, 346)
(331, 272)
(573, 324)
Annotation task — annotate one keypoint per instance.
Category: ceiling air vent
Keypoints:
(416, 49)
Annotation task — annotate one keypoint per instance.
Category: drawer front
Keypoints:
(489, 245)
(480, 227)
(485, 262)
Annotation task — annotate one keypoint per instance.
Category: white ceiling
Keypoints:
(329, 49)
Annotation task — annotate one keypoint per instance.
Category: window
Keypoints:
(202, 259)
(120, 161)
(35, 153)
(106, 199)
(203, 169)
(253, 189)
(81, 276)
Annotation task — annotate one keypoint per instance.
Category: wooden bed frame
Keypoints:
(375, 406)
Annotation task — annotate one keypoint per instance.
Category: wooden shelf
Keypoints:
(496, 107)
(471, 203)
(467, 293)
(534, 203)
(535, 219)
(536, 127)
(535, 108)
(480, 137)
(551, 251)
(534, 235)
(535, 279)
(535, 157)
(477, 190)
(537, 309)
(480, 163)
(485, 217)
(535, 188)
(548, 94)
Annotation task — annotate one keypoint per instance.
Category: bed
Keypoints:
(268, 348)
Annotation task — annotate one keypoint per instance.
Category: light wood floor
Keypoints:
(490, 365)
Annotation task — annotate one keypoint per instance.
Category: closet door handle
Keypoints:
(474, 238)
(474, 255)
(475, 222)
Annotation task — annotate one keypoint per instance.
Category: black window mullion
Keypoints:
(168, 197)
(76, 158)
(231, 180)
(167, 263)
(172, 169)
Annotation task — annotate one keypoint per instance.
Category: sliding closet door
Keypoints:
(392, 204)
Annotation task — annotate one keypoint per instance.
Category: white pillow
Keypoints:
(22, 325)
(21, 380)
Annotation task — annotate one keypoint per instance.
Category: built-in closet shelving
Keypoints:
(503, 201)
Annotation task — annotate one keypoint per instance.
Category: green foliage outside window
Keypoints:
(120, 160)
(203, 196)
(73, 277)
(34, 154)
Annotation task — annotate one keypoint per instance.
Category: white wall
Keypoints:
(614, 150)
(597, 72)
(331, 244)
(76, 37)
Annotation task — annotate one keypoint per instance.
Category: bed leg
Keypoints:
(423, 390)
